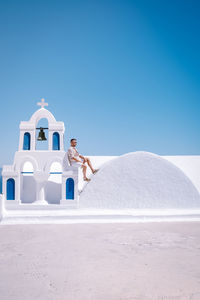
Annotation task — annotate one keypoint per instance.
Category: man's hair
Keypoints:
(72, 140)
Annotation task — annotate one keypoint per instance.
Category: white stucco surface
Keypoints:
(189, 164)
(41, 186)
(139, 180)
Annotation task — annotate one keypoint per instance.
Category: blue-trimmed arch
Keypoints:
(10, 188)
(70, 189)
(27, 141)
(56, 141)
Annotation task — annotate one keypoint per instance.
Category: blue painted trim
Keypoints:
(33, 172)
(56, 141)
(26, 172)
(70, 189)
(10, 189)
(27, 141)
(55, 172)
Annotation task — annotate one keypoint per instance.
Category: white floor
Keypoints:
(146, 261)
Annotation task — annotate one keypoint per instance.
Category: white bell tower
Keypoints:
(28, 131)
(15, 180)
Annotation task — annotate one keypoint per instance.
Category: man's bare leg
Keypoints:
(84, 167)
(84, 171)
(89, 164)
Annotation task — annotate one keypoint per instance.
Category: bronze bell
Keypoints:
(41, 135)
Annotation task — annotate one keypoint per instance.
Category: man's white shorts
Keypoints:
(76, 164)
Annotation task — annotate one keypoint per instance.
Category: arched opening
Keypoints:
(53, 188)
(42, 144)
(27, 168)
(70, 189)
(56, 172)
(56, 141)
(10, 189)
(28, 184)
(27, 141)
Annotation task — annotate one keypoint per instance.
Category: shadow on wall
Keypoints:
(53, 192)
(28, 193)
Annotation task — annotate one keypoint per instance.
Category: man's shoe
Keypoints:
(86, 179)
(95, 171)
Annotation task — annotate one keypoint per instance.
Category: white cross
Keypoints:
(42, 103)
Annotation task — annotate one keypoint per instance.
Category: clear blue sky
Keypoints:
(123, 75)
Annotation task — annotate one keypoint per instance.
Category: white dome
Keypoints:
(139, 180)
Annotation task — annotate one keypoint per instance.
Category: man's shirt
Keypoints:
(72, 152)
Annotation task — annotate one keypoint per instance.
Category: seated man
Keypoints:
(75, 159)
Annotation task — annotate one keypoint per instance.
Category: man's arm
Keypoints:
(71, 156)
